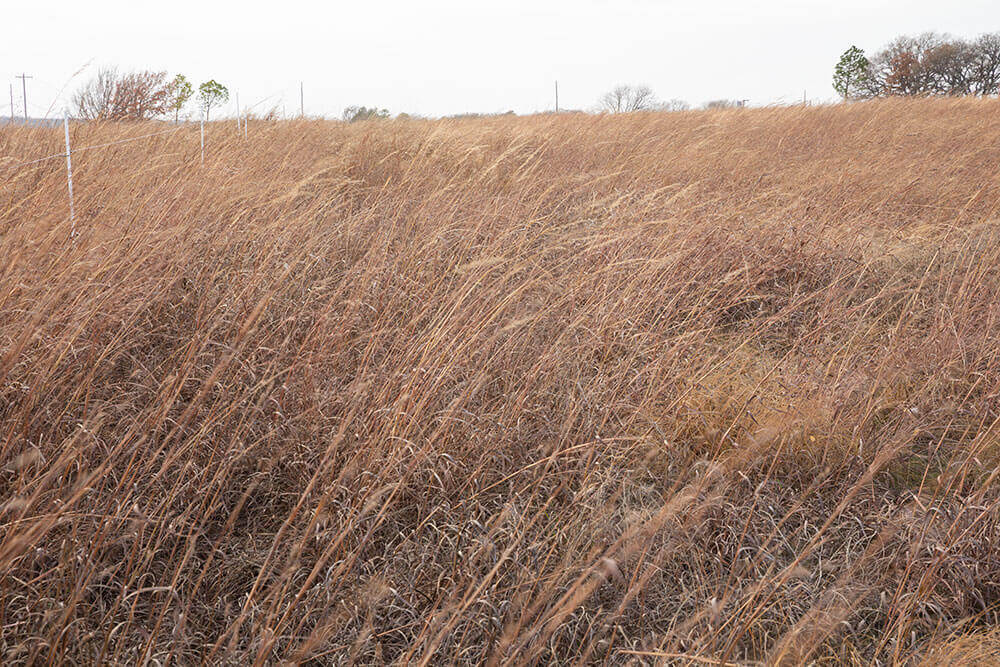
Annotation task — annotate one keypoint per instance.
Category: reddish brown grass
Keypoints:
(706, 388)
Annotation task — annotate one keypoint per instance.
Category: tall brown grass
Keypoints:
(695, 388)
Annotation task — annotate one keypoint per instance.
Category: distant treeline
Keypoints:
(930, 64)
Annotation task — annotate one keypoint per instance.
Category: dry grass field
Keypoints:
(693, 388)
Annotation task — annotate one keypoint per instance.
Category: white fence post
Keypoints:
(69, 177)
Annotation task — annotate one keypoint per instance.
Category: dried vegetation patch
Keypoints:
(711, 386)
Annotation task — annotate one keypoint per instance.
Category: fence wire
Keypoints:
(87, 148)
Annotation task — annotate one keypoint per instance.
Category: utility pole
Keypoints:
(302, 100)
(24, 91)
(557, 97)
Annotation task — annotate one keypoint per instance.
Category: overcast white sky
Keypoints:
(440, 57)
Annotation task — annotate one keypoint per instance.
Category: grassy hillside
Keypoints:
(713, 386)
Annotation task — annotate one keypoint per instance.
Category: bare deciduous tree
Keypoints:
(353, 114)
(986, 64)
(625, 99)
(131, 96)
(949, 68)
(723, 104)
(673, 105)
(898, 68)
(933, 64)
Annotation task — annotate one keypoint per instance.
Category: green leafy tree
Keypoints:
(181, 92)
(851, 73)
(212, 94)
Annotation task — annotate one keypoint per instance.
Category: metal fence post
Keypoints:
(69, 177)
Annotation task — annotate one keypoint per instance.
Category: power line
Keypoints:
(264, 99)
(125, 141)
